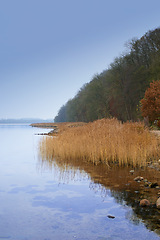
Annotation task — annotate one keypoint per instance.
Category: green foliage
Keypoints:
(117, 91)
(61, 117)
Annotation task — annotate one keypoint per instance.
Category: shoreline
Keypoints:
(44, 125)
(57, 127)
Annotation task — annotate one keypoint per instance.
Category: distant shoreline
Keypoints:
(23, 120)
(57, 127)
(44, 125)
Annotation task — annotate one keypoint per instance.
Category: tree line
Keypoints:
(117, 91)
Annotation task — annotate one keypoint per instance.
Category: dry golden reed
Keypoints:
(105, 141)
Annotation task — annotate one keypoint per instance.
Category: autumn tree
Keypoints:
(151, 102)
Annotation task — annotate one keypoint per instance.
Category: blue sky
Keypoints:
(50, 48)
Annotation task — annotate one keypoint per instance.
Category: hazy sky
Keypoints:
(50, 48)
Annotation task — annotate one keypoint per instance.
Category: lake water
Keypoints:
(41, 200)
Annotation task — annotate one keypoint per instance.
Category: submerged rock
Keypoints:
(144, 203)
(110, 216)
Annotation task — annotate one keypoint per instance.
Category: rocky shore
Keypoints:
(147, 185)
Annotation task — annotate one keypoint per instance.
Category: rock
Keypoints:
(153, 185)
(151, 166)
(138, 179)
(155, 166)
(149, 163)
(146, 184)
(110, 216)
(144, 203)
(158, 203)
(145, 180)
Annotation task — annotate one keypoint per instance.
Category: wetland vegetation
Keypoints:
(106, 141)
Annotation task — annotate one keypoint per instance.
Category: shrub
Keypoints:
(151, 102)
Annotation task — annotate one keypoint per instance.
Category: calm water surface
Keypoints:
(43, 201)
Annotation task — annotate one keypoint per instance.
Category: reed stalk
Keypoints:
(105, 141)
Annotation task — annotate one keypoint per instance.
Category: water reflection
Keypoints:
(38, 204)
(116, 182)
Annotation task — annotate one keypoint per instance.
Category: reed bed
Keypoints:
(105, 141)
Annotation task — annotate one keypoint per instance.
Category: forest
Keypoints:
(118, 90)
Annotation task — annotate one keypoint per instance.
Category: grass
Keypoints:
(106, 141)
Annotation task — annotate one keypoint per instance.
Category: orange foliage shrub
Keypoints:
(151, 102)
